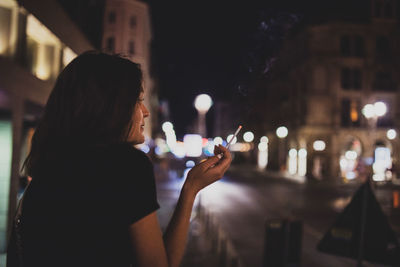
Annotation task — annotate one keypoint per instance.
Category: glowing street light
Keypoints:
(380, 109)
(282, 132)
(202, 103)
(248, 136)
(372, 112)
(167, 126)
(218, 140)
(319, 145)
(229, 137)
(391, 134)
(375, 110)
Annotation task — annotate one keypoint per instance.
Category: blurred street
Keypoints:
(240, 204)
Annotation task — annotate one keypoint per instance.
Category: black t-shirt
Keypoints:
(78, 210)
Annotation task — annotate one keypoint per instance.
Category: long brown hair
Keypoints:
(91, 103)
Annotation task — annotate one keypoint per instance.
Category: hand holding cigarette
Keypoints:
(230, 141)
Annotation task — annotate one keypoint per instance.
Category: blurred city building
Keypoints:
(37, 39)
(226, 118)
(327, 71)
(127, 31)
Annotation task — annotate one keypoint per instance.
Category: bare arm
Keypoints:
(199, 177)
(150, 248)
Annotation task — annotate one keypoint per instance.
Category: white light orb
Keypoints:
(263, 146)
(282, 132)
(368, 111)
(192, 144)
(248, 136)
(264, 139)
(167, 126)
(292, 153)
(218, 140)
(203, 103)
(228, 139)
(190, 164)
(351, 155)
(302, 153)
(319, 145)
(380, 108)
(391, 134)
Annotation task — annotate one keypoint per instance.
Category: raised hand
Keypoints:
(210, 170)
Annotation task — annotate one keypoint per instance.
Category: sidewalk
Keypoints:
(202, 249)
(247, 170)
(383, 191)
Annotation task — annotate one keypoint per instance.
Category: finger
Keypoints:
(224, 151)
(217, 150)
(210, 162)
(225, 162)
(220, 150)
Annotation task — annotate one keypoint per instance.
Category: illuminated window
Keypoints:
(68, 56)
(350, 113)
(43, 50)
(5, 174)
(111, 17)
(5, 29)
(132, 22)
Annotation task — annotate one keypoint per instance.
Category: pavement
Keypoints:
(211, 241)
(204, 238)
(214, 238)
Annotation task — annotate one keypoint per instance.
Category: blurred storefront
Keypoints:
(37, 39)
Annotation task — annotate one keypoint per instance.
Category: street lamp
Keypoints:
(202, 103)
(391, 134)
(372, 112)
(248, 136)
(281, 132)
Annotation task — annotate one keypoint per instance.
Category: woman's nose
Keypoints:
(145, 111)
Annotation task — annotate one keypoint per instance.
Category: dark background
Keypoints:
(217, 47)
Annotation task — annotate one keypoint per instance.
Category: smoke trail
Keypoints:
(267, 39)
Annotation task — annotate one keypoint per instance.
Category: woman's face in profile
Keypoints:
(140, 112)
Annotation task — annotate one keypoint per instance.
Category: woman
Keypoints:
(92, 199)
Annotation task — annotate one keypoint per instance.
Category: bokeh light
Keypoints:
(282, 132)
(248, 136)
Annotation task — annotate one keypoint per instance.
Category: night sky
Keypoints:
(218, 47)
(211, 47)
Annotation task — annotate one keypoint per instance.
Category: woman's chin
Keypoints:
(138, 140)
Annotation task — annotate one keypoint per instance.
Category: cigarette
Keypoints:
(233, 137)
(230, 141)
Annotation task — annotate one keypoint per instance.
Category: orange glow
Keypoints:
(396, 199)
(353, 112)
